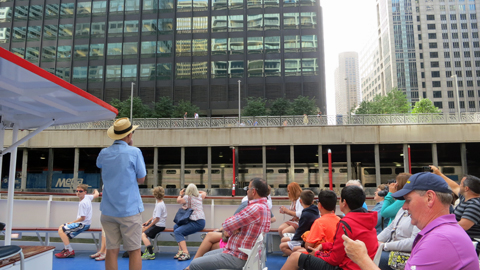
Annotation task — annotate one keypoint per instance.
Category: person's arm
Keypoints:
(386, 233)
(80, 219)
(95, 194)
(357, 252)
(391, 206)
(180, 199)
(337, 252)
(147, 222)
(405, 244)
(452, 184)
(245, 217)
(269, 202)
(153, 222)
(140, 169)
(203, 193)
(298, 208)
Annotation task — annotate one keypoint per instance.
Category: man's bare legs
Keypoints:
(63, 236)
(135, 259)
(292, 262)
(111, 259)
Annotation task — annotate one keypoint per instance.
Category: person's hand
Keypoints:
(144, 229)
(236, 231)
(392, 187)
(435, 170)
(182, 192)
(282, 209)
(356, 250)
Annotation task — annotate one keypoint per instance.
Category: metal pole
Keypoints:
(131, 104)
(330, 177)
(239, 115)
(11, 188)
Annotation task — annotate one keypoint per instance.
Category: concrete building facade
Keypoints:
(347, 83)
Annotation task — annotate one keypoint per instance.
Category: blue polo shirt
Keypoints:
(121, 165)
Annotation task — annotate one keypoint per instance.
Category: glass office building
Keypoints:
(194, 50)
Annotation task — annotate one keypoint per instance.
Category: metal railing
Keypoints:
(287, 121)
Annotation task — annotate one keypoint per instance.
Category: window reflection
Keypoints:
(200, 47)
(63, 73)
(307, 2)
(199, 70)
(255, 68)
(309, 20)
(184, 5)
(291, 20)
(65, 31)
(235, 23)
(51, 11)
(147, 72)
(165, 26)
(36, 12)
(4, 34)
(132, 6)
(236, 69)
(272, 44)
(272, 21)
(49, 53)
(164, 48)
(95, 73)
(293, 67)
(273, 67)
(149, 27)
(19, 33)
(49, 32)
(164, 71)
(80, 52)
(113, 73)
(67, 10)
(64, 53)
(84, 9)
(82, 30)
(150, 6)
(235, 4)
(99, 8)
(79, 74)
(129, 72)
(291, 43)
(255, 22)
(219, 46)
(6, 14)
(254, 3)
(115, 28)
(235, 45)
(114, 50)
(184, 25)
(219, 69)
(309, 66)
(20, 52)
(34, 32)
(183, 48)
(21, 13)
(290, 3)
(98, 29)
(309, 43)
(200, 24)
(271, 3)
(130, 28)
(165, 5)
(182, 70)
(32, 54)
(200, 5)
(130, 49)
(116, 6)
(96, 51)
(255, 45)
(219, 4)
(148, 49)
(219, 23)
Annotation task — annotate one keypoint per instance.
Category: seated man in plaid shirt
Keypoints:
(242, 229)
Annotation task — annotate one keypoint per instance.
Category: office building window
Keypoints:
(147, 72)
(200, 24)
(165, 26)
(273, 67)
(113, 73)
(235, 45)
(82, 30)
(95, 73)
(255, 22)
(164, 48)
(148, 49)
(291, 20)
(65, 31)
(219, 24)
(308, 20)
(219, 46)
(182, 70)
(436, 84)
(184, 25)
(450, 94)
(97, 51)
(116, 7)
(165, 5)
(129, 73)
(183, 47)
(184, 5)
(164, 71)
(437, 94)
(84, 9)
(99, 8)
(115, 28)
(130, 28)
(200, 47)
(79, 74)
(114, 50)
(80, 52)
(199, 70)
(255, 68)
(254, 45)
(48, 53)
(235, 23)
(98, 29)
(309, 66)
(438, 104)
(272, 44)
(272, 21)
(291, 43)
(64, 53)
(51, 11)
(67, 10)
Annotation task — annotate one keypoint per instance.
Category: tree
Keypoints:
(140, 110)
(280, 106)
(394, 102)
(425, 105)
(185, 106)
(255, 107)
(164, 108)
(303, 105)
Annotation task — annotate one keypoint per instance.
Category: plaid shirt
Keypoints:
(251, 221)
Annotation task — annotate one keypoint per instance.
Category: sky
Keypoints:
(347, 26)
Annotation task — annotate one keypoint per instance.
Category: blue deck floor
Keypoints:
(82, 261)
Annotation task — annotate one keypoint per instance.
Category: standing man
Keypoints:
(441, 243)
(123, 168)
(467, 212)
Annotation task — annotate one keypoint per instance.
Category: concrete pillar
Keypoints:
(378, 179)
(264, 163)
(24, 169)
(434, 155)
(155, 167)
(209, 162)
(320, 165)
(50, 169)
(292, 164)
(349, 162)
(76, 160)
(405, 158)
(463, 158)
(182, 167)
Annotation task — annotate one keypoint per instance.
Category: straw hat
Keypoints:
(120, 129)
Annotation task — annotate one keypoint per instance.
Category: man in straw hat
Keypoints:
(123, 168)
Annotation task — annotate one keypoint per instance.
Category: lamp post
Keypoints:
(239, 116)
(457, 93)
(131, 104)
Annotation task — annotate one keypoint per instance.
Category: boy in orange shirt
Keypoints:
(324, 228)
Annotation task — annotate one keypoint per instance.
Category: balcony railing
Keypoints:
(288, 121)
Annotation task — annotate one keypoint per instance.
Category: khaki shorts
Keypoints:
(128, 229)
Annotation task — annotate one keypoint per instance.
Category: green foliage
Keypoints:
(395, 102)
(185, 106)
(425, 105)
(303, 105)
(280, 106)
(255, 107)
(163, 108)
(140, 110)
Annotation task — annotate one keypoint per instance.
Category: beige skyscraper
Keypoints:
(347, 83)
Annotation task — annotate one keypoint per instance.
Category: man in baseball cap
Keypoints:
(441, 243)
(123, 168)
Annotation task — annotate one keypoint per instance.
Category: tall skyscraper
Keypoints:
(422, 45)
(347, 83)
(193, 50)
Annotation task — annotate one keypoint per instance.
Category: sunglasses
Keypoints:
(246, 188)
(79, 191)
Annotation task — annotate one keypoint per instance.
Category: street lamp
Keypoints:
(239, 120)
(457, 94)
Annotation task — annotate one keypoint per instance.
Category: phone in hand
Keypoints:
(427, 169)
(344, 230)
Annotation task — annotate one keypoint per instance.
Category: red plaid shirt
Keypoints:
(252, 221)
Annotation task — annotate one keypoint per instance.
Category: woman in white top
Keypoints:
(295, 209)
(191, 198)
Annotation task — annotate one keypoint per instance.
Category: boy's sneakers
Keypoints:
(65, 254)
(148, 256)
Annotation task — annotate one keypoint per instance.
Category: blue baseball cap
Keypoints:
(423, 181)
